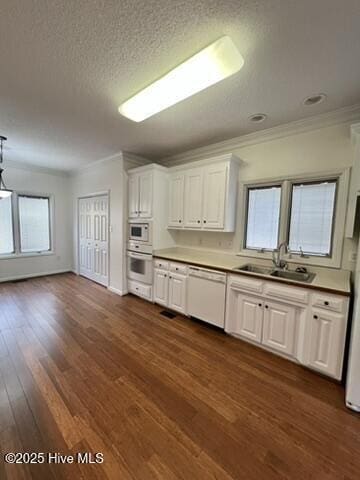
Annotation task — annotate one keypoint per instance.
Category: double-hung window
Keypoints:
(312, 217)
(306, 214)
(263, 217)
(25, 225)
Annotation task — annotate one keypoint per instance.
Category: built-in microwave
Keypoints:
(140, 232)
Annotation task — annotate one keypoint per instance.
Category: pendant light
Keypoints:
(4, 192)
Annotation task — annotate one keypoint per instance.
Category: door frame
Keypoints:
(81, 197)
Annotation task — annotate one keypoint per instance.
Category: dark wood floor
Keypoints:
(83, 369)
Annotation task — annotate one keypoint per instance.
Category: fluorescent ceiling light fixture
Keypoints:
(212, 64)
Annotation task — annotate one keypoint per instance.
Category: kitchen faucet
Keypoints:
(276, 256)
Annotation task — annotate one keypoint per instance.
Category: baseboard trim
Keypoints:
(117, 291)
(34, 275)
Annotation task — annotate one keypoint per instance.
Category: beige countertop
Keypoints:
(328, 279)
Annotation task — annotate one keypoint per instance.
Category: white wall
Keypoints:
(37, 181)
(320, 150)
(104, 177)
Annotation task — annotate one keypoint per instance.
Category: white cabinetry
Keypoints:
(193, 202)
(177, 292)
(269, 323)
(170, 281)
(279, 327)
(247, 314)
(214, 196)
(176, 200)
(209, 195)
(140, 195)
(161, 287)
(327, 338)
(309, 327)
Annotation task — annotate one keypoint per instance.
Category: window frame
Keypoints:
(16, 226)
(342, 177)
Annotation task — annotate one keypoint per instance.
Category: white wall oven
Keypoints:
(139, 267)
(140, 232)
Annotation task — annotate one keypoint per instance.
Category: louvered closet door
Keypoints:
(93, 238)
(100, 223)
(86, 244)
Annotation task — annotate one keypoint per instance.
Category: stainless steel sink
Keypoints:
(305, 277)
(254, 269)
(297, 276)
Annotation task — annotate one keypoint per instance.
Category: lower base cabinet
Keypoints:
(306, 325)
(170, 290)
(247, 316)
(279, 327)
(327, 332)
(269, 323)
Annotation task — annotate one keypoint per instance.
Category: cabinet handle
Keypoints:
(204, 221)
(316, 317)
(179, 221)
(176, 268)
(165, 275)
(326, 303)
(170, 276)
(266, 306)
(198, 221)
(260, 304)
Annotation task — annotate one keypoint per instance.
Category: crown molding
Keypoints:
(336, 117)
(78, 170)
(132, 160)
(35, 168)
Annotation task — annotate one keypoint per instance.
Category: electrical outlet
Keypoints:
(353, 257)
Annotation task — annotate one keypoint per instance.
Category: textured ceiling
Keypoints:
(67, 65)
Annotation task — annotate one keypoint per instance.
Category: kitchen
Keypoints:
(179, 239)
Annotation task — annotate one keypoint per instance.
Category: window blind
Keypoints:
(6, 227)
(34, 224)
(263, 217)
(312, 214)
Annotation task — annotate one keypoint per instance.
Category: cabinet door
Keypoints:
(193, 198)
(279, 327)
(176, 200)
(327, 339)
(133, 196)
(247, 316)
(145, 194)
(215, 179)
(177, 292)
(161, 285)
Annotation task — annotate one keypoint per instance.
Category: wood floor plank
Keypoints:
(82, 369)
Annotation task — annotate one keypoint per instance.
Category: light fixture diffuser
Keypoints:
(212, 64)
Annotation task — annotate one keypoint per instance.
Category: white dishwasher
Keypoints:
(206, 295)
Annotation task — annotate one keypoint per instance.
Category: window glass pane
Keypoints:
(311, 221)
(34, 224)
(263, 217)
(6, 227)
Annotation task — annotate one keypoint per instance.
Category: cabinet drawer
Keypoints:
(178, 268)
(290, 294)
(328, 302)
(144, 291)
(161, 264)
(242, 282)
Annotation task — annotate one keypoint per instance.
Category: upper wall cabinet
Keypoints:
(176, 200)
(203, 196)
(140, 194)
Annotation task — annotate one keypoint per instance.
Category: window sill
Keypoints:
(26, 255)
